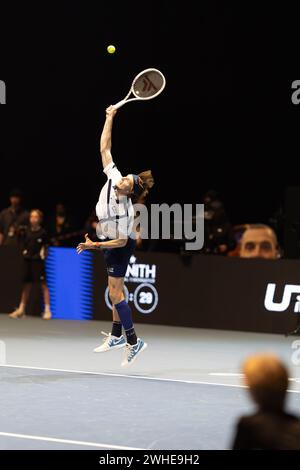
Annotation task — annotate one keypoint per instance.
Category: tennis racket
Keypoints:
(147, 85)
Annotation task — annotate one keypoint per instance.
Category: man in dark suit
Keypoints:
(271, 427)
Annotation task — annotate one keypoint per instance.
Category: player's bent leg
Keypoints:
(134, 345)
(115, 339)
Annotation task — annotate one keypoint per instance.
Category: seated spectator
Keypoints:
(60, 227)
(270, 427)
(12, 219)
(277, 223)
(90, 226)
(218, 235)
(141, 199)
(259, 241)
(237, 231)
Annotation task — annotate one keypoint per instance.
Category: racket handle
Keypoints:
(119, 104)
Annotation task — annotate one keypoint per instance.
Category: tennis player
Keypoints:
(115, 230)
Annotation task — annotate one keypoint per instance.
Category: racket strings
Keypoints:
(148, 84)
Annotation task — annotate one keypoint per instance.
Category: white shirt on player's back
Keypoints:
(115, 213)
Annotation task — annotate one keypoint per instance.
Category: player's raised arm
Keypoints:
(105, 140)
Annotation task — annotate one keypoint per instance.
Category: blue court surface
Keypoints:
(184, 392)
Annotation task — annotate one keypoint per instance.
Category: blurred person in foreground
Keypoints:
(259, 241)
(12, 219)
(270, 427)
(33, 240)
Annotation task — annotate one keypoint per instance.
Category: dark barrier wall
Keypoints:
(208, 292)
(10, 278)
(197, 291)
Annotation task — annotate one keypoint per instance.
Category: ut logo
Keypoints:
(289, 289)
(2, 92)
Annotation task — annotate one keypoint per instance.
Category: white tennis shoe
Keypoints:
(111, 342)
(132, 352)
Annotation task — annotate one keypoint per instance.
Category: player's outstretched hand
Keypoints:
(87, 245)
(111, 111)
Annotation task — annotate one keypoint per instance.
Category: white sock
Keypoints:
(47, 308)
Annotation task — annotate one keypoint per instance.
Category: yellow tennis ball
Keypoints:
(111, 49)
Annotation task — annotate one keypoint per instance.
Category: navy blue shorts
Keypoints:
(117, 259)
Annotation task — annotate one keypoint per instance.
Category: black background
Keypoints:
(224, 121)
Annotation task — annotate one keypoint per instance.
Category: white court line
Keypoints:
(68, 441)
(226, 374)
(235, 374)
(143, 377)
(126, 376)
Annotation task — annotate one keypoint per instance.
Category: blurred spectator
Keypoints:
(270, 428)
(259, 241)
(141, 243)
(277, 222)
(218, 234)
(12, 218)
(91, 225)
(34, 249)
(60, 227)
(238, 231)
